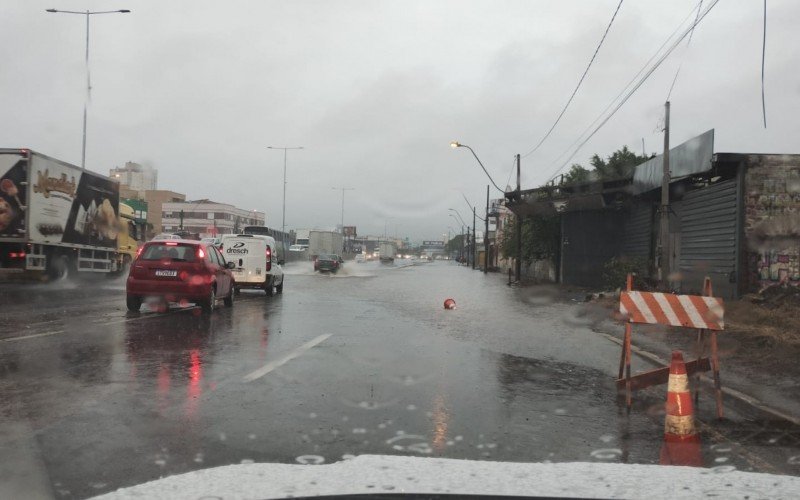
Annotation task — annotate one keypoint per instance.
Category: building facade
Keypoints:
(207, 218)
(135, 176)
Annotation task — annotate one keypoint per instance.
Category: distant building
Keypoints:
(154, 200)
(208, 218)
(135, 176)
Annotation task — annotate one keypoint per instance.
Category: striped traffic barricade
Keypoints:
(703, 313)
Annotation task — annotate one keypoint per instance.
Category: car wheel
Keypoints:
(269, 287)
(237, 290)
(279, 288)
(210, 303)
(134, 303)
(229, 299)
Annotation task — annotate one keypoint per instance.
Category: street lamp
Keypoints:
(283, 216)
(87, 13)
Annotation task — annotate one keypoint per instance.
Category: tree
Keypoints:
(455, 244)
(617, 166)
(577, 174)
(540, 238)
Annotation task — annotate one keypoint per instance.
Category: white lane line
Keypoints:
(285, 359)
(33, 336)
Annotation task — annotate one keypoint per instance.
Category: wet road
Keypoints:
(93, 398)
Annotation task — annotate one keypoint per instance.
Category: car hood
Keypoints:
(379, 474)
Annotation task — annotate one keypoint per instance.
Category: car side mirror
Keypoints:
(230, 265)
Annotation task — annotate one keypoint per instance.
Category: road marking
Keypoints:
(32, 336)
(285, 359)
(730, 392)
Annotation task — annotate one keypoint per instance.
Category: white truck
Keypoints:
(55, 218)
(325, 242)
(387, 251)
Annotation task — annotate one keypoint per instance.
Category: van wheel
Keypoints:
(210, 303)
(134, 303)
(229, 299)
(269, 288)
(279, 288)
(59, 269)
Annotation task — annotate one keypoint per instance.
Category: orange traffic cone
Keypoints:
(449, 304)
(681, 440)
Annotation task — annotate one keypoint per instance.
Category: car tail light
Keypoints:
(139, 252)
(17, 255)
(201, 254)
(269, 259)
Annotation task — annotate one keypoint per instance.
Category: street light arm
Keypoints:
(456, 144)
(86, 12)
(484, 168)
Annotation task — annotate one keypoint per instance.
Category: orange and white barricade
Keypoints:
(704, 313)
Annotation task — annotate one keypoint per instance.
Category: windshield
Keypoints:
(179, 252)
(305, 232)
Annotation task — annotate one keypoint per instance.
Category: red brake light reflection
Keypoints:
(201, 254)
(139, 252)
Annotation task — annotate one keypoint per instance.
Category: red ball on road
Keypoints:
(449, 304)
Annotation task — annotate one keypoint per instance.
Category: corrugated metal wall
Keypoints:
(708, 239)
(638, 231)
(589, 239)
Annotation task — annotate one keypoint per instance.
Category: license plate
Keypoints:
(166, 272)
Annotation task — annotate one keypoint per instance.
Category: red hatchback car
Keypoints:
(180, 270)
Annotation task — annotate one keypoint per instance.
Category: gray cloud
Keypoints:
(375, 91)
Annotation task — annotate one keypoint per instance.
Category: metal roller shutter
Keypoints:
(708, 239)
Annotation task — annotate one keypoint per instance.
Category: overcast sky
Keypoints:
(376, 90)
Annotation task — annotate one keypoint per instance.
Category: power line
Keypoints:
(585, 72)
(636, 87)
(641, 70)
(763, 55)
(689, 42)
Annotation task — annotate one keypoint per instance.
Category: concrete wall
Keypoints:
(772, 220)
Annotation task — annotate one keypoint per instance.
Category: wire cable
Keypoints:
(763, 56)
(636, 87)
(699, 6)
(641, 70)
(574, 92)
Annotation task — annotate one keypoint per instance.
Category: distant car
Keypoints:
(180, 270)
(360, 258)
(329, 263)
(165, 236)
(298, 248)
(256, 262)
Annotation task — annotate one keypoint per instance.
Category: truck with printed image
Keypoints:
(57, 220)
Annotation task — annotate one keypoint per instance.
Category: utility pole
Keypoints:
(181, 220)
(665, 250)
(474, 239)
(518, 262)
(461, 249)
(486, 236)
(467, 244)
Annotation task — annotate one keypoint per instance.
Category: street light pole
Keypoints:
(87, 13)
(486, 236)
(343, 189)
(283, 214)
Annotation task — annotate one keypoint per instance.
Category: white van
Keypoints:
(256, 261)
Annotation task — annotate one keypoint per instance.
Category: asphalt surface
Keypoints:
(93, 398)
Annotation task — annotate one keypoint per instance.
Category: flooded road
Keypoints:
(367, 361)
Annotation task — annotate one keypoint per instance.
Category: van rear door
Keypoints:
(249, 254)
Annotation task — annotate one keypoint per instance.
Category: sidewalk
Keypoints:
(759, 349)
